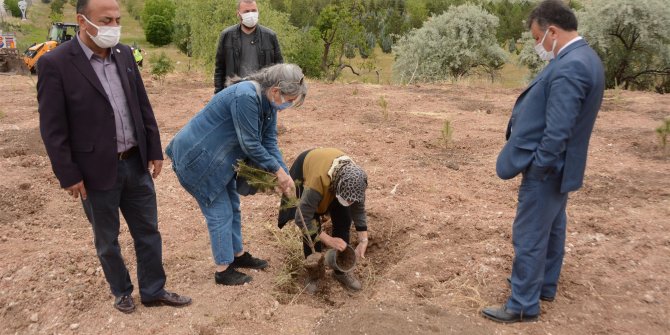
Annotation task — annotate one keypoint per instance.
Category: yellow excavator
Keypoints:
(60, 32)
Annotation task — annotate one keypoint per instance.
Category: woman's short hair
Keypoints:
(287, 77)
(553, 12)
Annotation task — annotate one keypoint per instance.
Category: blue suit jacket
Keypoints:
(553, 118)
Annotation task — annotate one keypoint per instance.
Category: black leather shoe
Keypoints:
(542, 297)
(500, 314)
(249, 262)
(231, 277)
(169, 299)
(547, 299)
(125, 304)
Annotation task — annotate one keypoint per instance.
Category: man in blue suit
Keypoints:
(548, 137)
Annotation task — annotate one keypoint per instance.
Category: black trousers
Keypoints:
(135, 196)
(340, 215)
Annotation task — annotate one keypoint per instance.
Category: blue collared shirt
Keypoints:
(109, 77)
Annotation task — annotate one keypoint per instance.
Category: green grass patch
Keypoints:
(381, 74)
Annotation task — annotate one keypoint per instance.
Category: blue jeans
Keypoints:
(538, 235)
(135, 196)
(224, 223)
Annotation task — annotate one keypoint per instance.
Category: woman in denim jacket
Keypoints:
(240, 122)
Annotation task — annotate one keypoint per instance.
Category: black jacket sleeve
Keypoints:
(309, 202)
(220, 65)
(277, 50)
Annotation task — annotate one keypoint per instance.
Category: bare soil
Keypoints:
(439, 219)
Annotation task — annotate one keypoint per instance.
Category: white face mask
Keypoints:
(107, 36)
(544, 54)
(342, 201)
(249, 19)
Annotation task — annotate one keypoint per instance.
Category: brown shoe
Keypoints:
(125, 304)
(169, 299)
(348, 281)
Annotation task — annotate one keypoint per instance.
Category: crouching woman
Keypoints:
(332, 184)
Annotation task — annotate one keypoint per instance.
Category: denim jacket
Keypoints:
(237, 123)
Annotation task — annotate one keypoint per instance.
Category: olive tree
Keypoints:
(632, 38)
(455, 44)
(341, 30)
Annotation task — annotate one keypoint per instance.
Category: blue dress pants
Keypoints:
(538, 235)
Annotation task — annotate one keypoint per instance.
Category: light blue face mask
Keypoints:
(284, 104)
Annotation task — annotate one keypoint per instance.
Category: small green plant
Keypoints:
(447, 132)
(617, 93)
(257, 178)
(2, 114)
(161, 66)
(355, 92)
(384, 105)
(663, 131)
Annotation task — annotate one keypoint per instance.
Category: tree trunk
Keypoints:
(324, 58)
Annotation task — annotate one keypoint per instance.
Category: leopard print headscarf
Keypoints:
(350, 181)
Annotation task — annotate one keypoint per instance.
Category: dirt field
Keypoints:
(439, 218)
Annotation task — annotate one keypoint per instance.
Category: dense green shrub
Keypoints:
(158, 21)
(158, 30)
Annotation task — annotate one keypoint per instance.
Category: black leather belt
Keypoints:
(128, 153)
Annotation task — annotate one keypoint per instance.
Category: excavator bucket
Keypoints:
(11, 61)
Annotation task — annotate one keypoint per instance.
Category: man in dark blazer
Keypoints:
(102, 138)
(548, 137)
